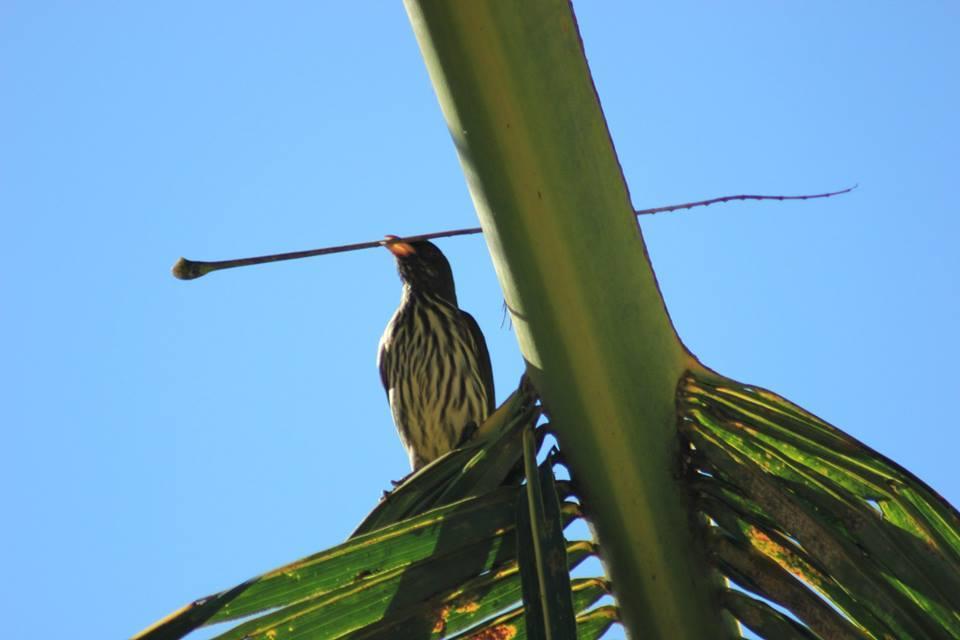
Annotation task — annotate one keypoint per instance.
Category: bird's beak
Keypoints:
(399, 249)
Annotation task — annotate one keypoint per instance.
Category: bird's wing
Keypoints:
(483, 359)
(382, 357)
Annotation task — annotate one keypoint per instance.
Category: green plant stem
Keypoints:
(519, 102)
(535, 507)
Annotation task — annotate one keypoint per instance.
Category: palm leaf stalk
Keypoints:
(789, 491)
(516, 92)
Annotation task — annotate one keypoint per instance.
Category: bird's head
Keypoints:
(424, 268)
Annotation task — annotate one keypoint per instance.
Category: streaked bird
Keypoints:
(433, 358)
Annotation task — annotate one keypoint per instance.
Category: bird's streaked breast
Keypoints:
(432, 374)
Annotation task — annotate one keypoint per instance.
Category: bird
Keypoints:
(433, 358)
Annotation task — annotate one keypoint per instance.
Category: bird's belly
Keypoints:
(436, 393)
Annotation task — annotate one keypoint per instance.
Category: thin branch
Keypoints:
(707, 203)
(191, 269)
(185, 269)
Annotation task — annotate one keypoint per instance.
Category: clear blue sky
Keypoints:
(164, 439)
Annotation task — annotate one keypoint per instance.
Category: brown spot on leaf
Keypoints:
(440, 624)
(499, 632)
(468, 606)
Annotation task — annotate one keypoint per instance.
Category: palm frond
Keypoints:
(808, 517)
(442, 556)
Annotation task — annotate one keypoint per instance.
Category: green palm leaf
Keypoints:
(806, 515)
(440, 556)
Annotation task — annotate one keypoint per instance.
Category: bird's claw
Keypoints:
(393, 485)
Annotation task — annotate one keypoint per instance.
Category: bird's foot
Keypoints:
(393, 485)
(397, 483)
